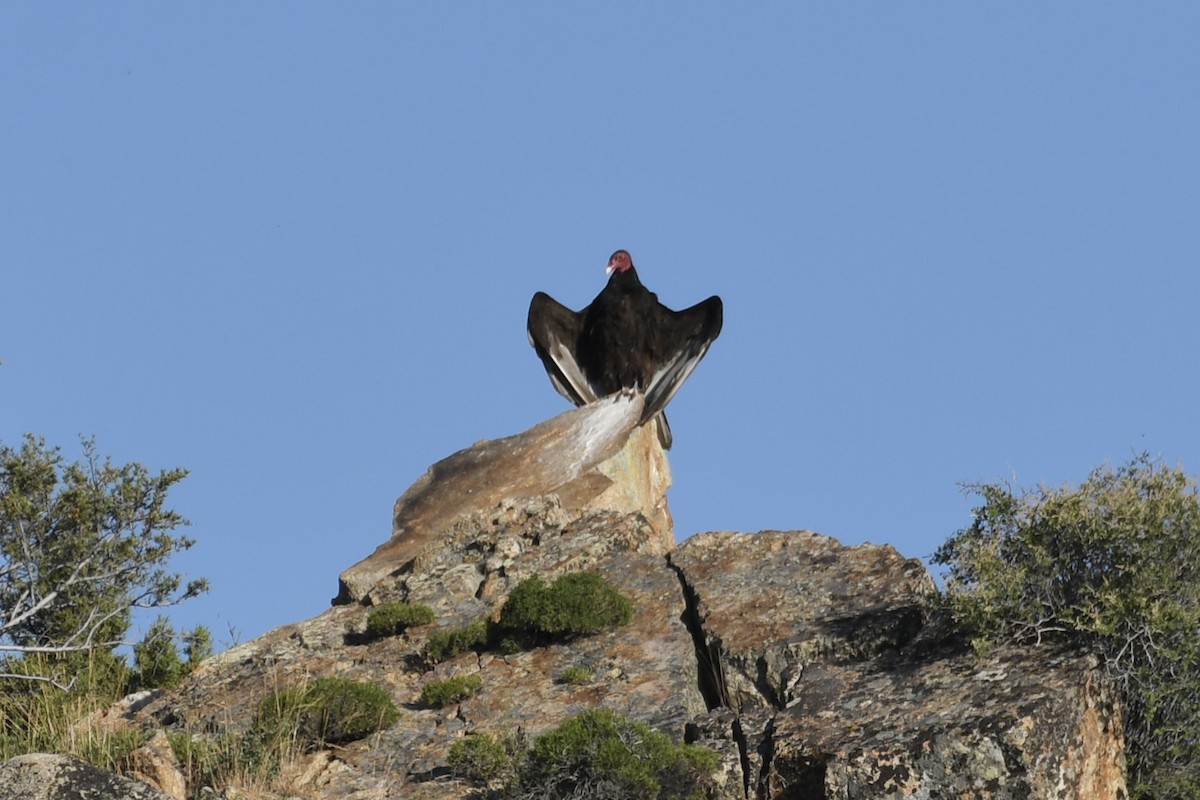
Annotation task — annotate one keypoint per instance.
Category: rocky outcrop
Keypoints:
(821, 674)
(766, 606)
(807, 665)
(1019, 724)
(58, 777)
(589, 457)
(645, 670)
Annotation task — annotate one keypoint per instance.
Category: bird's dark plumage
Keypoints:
(625, 339)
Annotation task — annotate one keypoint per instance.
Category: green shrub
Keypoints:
(156, 659)
(575, 676)
(598, 754)
(446, 643)
(157, 662)
(327, 711)
(437, 694)
(485, 759)
(576, 604)
(1113, 566)
(197, 645)
(390, 619)
(603, 754)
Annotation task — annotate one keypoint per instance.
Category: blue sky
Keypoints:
(291, 246)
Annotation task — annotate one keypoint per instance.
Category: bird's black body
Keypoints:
(625, 339)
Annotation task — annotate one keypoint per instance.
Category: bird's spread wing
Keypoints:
(554, 333)
(685, 338)
(665, 437)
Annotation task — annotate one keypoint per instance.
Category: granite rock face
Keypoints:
(645, 670)
(58, 777)
(807, 665)
(770, 604)
(1018, 725)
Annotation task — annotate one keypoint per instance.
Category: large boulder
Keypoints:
(1020, 723)
(771, 603)
(40, 776)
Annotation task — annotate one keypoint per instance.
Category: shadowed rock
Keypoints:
(1020, 724)
(59, 777)
(771, 603)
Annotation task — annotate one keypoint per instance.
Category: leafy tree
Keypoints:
(1113, 566)
(197, 645)
(156, 659)
(82, 545)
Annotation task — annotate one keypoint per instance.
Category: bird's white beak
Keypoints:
(609, 269)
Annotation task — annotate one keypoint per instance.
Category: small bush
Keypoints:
(598, 754)
(446, 643)
(603, 754)
(438, 694)
(327, 711)
(156, 659)
(576, 604)
(197, 645)
(485, 759)
(391, 619)
(575, 676)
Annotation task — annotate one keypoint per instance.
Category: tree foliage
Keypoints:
(1113, 566)
(157, 661)
(82, 545)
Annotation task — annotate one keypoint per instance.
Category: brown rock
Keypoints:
(773, 602)
(566, 456)
(155, 763)
(803, 663)
(645, 670)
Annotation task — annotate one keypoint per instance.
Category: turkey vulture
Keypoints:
(625, 339)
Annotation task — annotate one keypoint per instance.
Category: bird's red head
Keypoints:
(619, 261)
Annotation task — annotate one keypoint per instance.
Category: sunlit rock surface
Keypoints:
(592, 458)
(809, 666)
